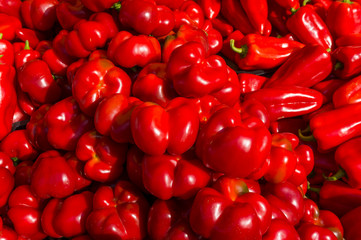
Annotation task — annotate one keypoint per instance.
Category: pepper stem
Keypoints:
(304, 3)
(309, 138)
(338, 66)
(16, 161)
(27, 45)
(1, 35)
(242, 50)
(293, 10)
(338, 175)
(347, 1)
(116, 6)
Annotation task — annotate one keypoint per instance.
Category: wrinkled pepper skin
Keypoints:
(7, 99)
(127, 50)
(287, 101)
(331, 128)
(347, 61)
(97, 79)
(103, 157)
(173, 129)
(305, 67)
(39, 14)
(193, 73)
(227, 142)
(67, 217)
(229, 210)
(118, 213)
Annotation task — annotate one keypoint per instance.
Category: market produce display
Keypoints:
(180, 119)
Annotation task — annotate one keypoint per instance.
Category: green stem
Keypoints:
(16, 161)
(294, 10)
(338, 66)
(27, 45)
(338, 175)
(1, 35)
(117, 6)
(347, 1)
(309, 138)
(304, 3)
(242, 50)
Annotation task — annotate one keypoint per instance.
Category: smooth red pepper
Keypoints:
(328, 88)
(11, 7)
(215, 40)
(104, 158)
(348, 63)
(261, 52)
(6, 51)
(33, 36)
(128, 50)
(211, 8)
(97, 79)
(305, 67)
(25, 55)
(251, 82)
(189, 13)
(39, 14)
(67, 217)
(348, 93)
(119, 212)
(348, 40)
(351, 222)
(8, 26)
(257, 13)
(193, 73)
(282, 230)
(70, 12)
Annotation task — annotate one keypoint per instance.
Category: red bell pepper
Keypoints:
(119, 212)
(169, 220)
(205, 107)
(343, 18)
(215, 40)
(331, 128)
(347, 61)
(257, 13)
(261, 52)
(348, 93)
(211, 8)
(7, 99)
(351, 222)
(98, 5)
(193, 73)
(70, 12)
(39, 14)
(52, 176)
(7, 185)
(8, 163)
(189, 13)
(65, 124)
(129, 51)
(305, 67)
(103, 157)
(173, 129)
(152, 85)
(18, 147)
(227, 142)
(6, 51)
(81, 181)
(310, 231)
(25, 213)
(33, 36)
(281, 229)
(287, 101)
(146, 17)
(309, 27)
(251, 82)
(97, 79)
(168, 176)
(8, 26)
(25, 55)
(229, 210)
(253, 110)
(11, 7)
(67, 217)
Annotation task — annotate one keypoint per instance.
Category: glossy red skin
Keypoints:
(215, 39)
(287, 101)
(233, 12)
(67, 217)
(7, 180)
(25, 212)
(64, 132)
(18, 147)
(226, 48)
(184, 34)
(345, 120)
(103, 157)
(328, 87)
(347, 93)
(7, 162)
(302, 68)
(166, 21)
(81, 181)
(348, 56)
(193, 73)
(124, 50)
(173, 129)
(229, 211)
(57, 64)
(97, 79)
(33, 36)
(280, 229)
(70, 12)
(257, 13)
(97, 5)
(6, 52)
(286, 201)
(222, 26)
(253, 109)
(52, 176)
(344, 18)
(118, 213)
(277, 15)
(262, 52)
(11, 8)
(7, 233)
(169, 219)
(304, 166)
(216, 144)
(39, 14)
(351, 222)
(25, 55)
(7, 99)
(190, 13)
(168, 176)
(306, 18)
(9, 25)
(313, 232)
(251, 82)
(152, 85)
(210, 8)
(36, 79)
(205, 107)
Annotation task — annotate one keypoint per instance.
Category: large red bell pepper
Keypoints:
(193, 73)
(97, 79)
(173, 129)
(39, 14)
(119, 212)
(189, 13)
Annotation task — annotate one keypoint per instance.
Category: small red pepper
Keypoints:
(25, 55)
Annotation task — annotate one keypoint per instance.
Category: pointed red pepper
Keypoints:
(233, 11)
(257, 13)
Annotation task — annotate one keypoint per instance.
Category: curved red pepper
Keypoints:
(8, 26)
(189, 13)
(281, 229)
(233, 11)
(173, 129)
(257, 13)
(129, 51)
(119, 213)
(6, 51)
(215, 40)
(70, 12)
(25, 55)
(193, 73)
(104, 158)
(348, 93)
(67, 217)
(351, 221)
(39, 14)
(348, 63)
(251, 82)
(211, 8)
(97, 79)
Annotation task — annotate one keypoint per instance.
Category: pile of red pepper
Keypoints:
(180, 119)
